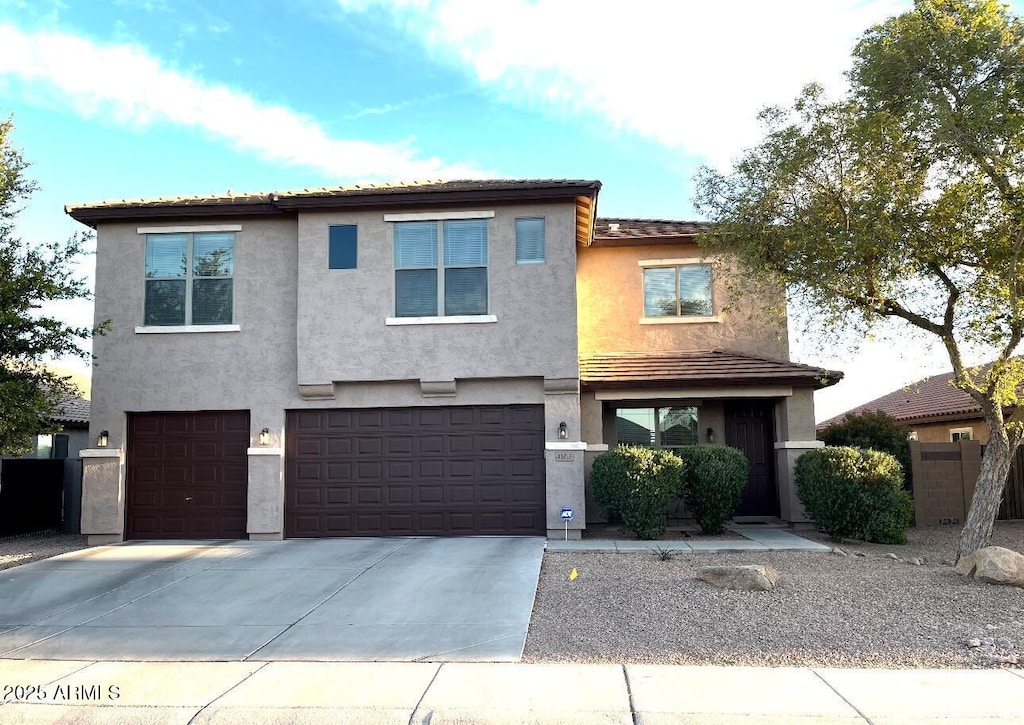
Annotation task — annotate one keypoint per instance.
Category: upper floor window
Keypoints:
(679, 291)
(189, 278)
(342, 248)
(441, 268)
(530, 240)
(960, 434)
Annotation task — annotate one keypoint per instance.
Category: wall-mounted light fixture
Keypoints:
(102, 439)
(711, 435)
(563, 431)
(264, 437)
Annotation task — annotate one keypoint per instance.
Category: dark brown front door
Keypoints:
(446, 471)
(749, 426)
(187, 475)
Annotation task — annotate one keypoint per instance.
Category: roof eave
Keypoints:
(91, 216)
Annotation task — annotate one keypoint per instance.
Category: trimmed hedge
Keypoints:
(713, 481)
(855, 493)
(634, 485)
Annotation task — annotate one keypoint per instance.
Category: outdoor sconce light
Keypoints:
(563, 431)
(711, 435)
(264, 437)
(103, 439)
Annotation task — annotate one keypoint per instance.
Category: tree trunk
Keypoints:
(988, 493)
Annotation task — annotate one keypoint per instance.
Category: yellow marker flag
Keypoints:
(573, 574)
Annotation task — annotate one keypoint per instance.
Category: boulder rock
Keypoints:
(995, 565)
(747, 578)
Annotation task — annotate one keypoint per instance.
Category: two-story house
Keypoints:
(407, 360)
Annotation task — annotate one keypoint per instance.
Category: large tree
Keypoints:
(30, 276)
(902, 200)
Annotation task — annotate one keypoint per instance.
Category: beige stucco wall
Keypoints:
(303, 323)
(939, 432)
(611, 304)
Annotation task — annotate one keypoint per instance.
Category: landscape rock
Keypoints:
(974, 642)
(750, 577)
(859, 553)
(837, 551)
(995, 565)
(913, 561)
(892, 556)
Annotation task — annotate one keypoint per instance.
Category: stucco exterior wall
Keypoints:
(939, 432)
(341, 332)
(611, 304)
(302, 323)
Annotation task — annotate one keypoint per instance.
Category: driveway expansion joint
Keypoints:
(841, 695)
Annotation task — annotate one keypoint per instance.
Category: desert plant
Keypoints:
(634, 486)
(663, 553)
(854, 493)
(713, 481)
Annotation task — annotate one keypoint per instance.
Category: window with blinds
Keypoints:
(189, 278)
(530, 240)
(441, 268)
(682, 291)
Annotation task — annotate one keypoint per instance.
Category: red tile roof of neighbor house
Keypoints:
(619, 228)
(277, 202)
(696, 368)
(932, 397)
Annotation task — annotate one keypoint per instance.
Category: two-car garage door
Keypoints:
(452, 470)
(435, 471)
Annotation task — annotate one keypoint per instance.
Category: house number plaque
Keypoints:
(565, 456)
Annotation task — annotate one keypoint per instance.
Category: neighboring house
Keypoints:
(417, 359)
(932, 409)
(73, 436)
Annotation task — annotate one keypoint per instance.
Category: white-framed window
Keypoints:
(961, 434)
(441, 268)
(681, 290)
(530, 245)
(189, 278)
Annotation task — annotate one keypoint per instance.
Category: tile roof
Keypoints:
(619, 228)
(73, 410)
(339, 192)
(932, 397)
(696, 368)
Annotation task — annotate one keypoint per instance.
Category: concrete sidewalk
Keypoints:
(38, 691)
(755, 539)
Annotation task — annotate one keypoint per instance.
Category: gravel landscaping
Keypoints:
(859, 608)
(17, 550)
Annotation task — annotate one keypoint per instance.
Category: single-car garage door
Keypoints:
(455, 470)
(187, 475)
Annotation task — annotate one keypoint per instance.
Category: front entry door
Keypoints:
(749, 426)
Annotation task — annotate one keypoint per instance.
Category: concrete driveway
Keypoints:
(403, 599)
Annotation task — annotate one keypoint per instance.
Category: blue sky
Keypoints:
(132, 98)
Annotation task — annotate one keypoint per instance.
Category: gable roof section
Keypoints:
(698, 368)
(932, 398)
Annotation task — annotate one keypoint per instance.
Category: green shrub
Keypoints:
(713, 481)
(874, 429)
(854, 493)
(634, 486)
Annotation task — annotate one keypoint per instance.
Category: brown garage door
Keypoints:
(456, 470)
(187, 475)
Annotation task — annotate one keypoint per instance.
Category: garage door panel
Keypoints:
(415, 471)
(187, 475)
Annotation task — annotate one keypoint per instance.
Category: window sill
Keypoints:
(449, 320)
(168, 329)
(678, 320)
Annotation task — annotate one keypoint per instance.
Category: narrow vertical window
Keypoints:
(530, 240)
(342, 247)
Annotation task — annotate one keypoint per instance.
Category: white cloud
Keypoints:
(126, 84)
(687, 75)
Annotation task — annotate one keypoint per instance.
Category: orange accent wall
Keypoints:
(610, 304)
